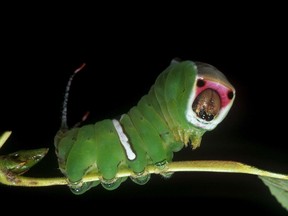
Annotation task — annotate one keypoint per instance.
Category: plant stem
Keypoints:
(4, 137)
(17, 180)
(181, 166)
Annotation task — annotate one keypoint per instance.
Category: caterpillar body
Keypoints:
(187, 99)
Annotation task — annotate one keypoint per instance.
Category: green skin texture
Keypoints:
(21, 161)
(156, 128)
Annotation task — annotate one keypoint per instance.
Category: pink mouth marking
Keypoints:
(222, 90)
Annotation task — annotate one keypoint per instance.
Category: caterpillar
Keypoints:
(187, 99)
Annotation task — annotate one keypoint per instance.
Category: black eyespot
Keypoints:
(230, 95)
(200, 83)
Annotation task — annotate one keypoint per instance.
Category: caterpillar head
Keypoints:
(195, 97)
(211, 98)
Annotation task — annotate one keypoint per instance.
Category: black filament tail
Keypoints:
(64, 124)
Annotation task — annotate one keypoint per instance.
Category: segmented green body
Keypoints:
(177, 110)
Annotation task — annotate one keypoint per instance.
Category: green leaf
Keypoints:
(21, 161)
(278, 188)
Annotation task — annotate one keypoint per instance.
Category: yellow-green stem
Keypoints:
(4, 137)
(181, 166)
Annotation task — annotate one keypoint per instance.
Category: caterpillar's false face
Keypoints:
(211, 99)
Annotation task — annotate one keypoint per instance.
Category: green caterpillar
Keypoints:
(187, 99)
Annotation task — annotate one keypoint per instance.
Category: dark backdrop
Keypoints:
(123, 59)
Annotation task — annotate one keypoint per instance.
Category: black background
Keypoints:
(124, 55)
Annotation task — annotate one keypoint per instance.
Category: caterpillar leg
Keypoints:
(140, 161)
(140, 178)
(113, 183)
(109, 154)
(154, 145)
(80, 187)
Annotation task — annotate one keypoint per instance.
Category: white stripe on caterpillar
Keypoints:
(124, 140)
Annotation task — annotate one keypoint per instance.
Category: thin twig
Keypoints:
(4, 137)
(181, 166)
